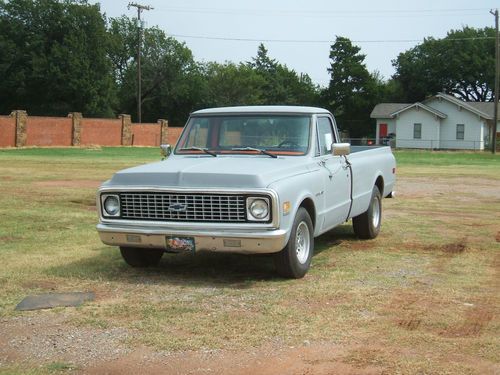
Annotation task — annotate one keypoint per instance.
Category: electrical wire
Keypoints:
(322, 41)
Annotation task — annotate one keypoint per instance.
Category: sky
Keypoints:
(299, 33)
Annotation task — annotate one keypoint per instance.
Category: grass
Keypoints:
(421, 298)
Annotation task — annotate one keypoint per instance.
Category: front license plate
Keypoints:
(180, 244)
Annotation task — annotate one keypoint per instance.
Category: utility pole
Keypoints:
(497, 68)
(140, 8)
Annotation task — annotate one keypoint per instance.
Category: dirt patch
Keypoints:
(46, 337)
(497, 238)
(69, 183)
(313, 359)
(474, 323)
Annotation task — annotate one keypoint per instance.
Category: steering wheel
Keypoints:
(289, 142)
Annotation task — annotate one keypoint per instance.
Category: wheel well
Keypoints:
(380, 184)
(308, 204)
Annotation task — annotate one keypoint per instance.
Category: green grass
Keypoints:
(426, 286)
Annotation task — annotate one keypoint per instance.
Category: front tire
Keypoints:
(141, 258)
(367, 225)
(295, 259)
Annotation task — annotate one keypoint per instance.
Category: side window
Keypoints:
(325, 136)
(417, 131)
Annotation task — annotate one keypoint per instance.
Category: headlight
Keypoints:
(111, 205)
(258, 209)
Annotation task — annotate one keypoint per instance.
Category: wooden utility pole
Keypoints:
(497, 68)
(140, 8)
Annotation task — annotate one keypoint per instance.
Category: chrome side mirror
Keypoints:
(341, 149)
(166, 150)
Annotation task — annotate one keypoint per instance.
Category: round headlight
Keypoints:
(112, 205)
(259, 209)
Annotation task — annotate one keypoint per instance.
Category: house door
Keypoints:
(382, 133)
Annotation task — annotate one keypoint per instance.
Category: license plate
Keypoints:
(180, 244)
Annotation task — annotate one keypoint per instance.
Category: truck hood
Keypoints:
(235, 171)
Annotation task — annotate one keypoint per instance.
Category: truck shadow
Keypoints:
(229, 270)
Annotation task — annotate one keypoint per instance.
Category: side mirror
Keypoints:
(166, 150)
(341, 149)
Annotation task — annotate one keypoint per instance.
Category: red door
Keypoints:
(382, 131)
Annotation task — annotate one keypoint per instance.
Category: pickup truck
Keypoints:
(258, 179)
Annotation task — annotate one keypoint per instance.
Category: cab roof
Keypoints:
(261, 109)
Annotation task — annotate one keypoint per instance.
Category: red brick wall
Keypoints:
(173, 135)
(103, 132)
(48, 131)
(7, 131)
(146, 134)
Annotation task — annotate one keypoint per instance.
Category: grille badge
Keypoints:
(178, 207)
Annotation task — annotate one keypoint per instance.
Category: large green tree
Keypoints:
(462, 64)
(352, 91)
(282, 85)
(53, 58)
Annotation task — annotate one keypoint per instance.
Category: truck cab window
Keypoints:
(326, 136)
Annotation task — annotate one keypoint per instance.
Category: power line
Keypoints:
(322, 41)
(329, 13)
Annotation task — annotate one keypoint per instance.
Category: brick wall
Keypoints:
(19, 129)
(173, 135)
(48, 131)
(7, 131)
(146, 134)
(103, 132)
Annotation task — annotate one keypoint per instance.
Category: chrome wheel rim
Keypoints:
(302, 242)
(376, 212)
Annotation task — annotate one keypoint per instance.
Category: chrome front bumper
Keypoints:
(234, 241)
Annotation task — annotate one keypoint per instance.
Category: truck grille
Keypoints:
(183, 207)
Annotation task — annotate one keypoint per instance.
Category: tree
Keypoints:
(351, 93)
(171, 79)
(230, 84)
(54, 58)
(461, 64)
(282, 85)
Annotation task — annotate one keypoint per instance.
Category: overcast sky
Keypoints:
(299, 33)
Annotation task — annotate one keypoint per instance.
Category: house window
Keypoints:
(417, 131)
(460, 131)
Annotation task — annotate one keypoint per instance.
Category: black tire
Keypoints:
(367, 225)
(139, 258)
(295, 259)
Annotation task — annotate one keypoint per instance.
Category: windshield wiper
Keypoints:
(205, 150)
(254, 149)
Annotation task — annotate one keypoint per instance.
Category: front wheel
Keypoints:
(138, 258)
(295, 259)
(367, 225)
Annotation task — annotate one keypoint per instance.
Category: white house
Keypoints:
(440, 122)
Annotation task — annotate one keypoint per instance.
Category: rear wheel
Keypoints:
(137, 257)
(295, 259)
(367, 225)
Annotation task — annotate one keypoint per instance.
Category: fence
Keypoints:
(427, 144)
(19, 130)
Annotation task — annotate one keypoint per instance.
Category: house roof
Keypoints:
(384, 110)
(388, 110)
(422, 106)
(480, 110)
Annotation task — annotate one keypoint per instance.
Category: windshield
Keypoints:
(280, 134)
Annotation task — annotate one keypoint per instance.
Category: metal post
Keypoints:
(140, 8)
(497, 68)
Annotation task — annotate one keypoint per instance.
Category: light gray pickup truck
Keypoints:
(266, 179)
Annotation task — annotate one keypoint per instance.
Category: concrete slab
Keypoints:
(51, 300)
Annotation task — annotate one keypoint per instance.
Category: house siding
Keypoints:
(474, 126)
(430, 129)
